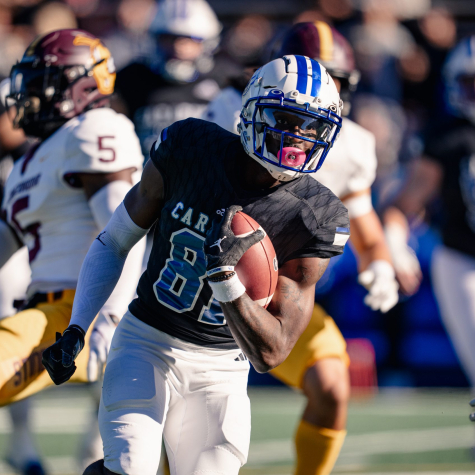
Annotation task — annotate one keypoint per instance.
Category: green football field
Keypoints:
(395, 432)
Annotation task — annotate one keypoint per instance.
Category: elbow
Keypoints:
(268, 360)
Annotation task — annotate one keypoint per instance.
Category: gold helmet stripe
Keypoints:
(326, 40)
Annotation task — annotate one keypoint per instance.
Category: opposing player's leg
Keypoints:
(24, 337)
(318, 364)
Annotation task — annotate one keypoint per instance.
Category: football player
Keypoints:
(180, 82)
(57, 197)
(318, 363)
(447, 168)
(178, 364)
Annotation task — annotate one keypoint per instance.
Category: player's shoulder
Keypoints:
(102, 120)
(356, 132)
(101, 140)
(317, 198)
(196, 134)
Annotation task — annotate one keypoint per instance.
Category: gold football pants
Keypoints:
(24, 337)
(321, 339)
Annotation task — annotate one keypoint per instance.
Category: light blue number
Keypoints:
(181, 280)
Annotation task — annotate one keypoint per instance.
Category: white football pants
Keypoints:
(195, 397)
(453, 276)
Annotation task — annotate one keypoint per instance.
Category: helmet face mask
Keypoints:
(291, 123)
(289, 138)
(61, 75)
(459, 79)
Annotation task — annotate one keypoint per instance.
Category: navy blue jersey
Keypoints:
(452, 145)
(200, 164)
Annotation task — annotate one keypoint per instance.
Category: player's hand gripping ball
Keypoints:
(58, 359)
(239, 244)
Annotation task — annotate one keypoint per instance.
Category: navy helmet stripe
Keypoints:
(163, 135)
(316, 78)
(302, 76)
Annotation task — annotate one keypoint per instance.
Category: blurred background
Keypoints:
(400, 47)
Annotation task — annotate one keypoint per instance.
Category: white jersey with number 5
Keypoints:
(44, 200)
(351, 164)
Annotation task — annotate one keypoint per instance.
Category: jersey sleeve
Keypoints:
(361, 158)
(330, 230)
(102, 141)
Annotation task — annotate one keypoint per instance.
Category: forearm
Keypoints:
(125, 290)
(257, 332)
(103, 266)
(368, 239)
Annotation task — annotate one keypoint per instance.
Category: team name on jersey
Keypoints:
(186, 217)
(24, 186)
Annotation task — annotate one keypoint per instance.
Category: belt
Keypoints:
(40, 297)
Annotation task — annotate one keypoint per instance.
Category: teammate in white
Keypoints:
(59, 196)
(318, 362)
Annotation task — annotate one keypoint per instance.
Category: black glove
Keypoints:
(59, 358)
(223, 249)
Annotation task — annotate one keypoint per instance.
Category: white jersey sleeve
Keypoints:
(101, 141)
(224, 110)
(351, 164)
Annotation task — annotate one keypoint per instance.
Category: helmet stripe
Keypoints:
(326, 40)
(316, 78)
(302, 76)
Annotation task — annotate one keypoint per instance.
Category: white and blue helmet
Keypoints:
(291, 116)
(459, 79)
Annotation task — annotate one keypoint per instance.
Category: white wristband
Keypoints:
(227, 290)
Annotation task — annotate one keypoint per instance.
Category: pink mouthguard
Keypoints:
(292, 156)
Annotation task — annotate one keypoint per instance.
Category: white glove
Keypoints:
(380, 281)
(406, 264)
(99, 344)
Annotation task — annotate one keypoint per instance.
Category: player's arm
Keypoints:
(268, 336)
(103, 266)
(374, 259)
(422, 185)
(105, 192)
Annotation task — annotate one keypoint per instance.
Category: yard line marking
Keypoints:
(358, 448)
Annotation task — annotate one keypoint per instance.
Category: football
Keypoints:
(258, 268)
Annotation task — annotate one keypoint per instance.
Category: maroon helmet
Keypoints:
(61, 75)
(323, 43)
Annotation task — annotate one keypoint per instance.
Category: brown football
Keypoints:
(258, 268)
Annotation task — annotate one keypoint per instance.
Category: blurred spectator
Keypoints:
(53, 16)
(131, 41)
(179, 82)
(380, 42)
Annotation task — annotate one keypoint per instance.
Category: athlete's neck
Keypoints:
(253, 176)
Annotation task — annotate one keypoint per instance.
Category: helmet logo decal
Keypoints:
(104, 70)
(326, 40)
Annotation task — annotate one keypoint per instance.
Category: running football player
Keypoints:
(178, 364)
(58, 196)
(318, 363)
(446, 168)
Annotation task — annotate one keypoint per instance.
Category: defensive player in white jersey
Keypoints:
(318, 363)
(57, 198)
